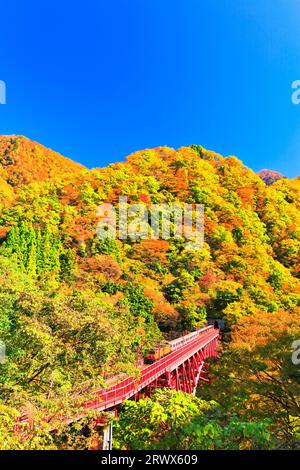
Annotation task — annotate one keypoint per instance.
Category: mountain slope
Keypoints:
(252, 238)
(23, 161)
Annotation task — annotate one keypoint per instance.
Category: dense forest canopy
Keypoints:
(75, 308)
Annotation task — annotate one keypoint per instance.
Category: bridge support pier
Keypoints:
(107, 436)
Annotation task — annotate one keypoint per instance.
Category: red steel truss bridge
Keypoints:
(182, 369)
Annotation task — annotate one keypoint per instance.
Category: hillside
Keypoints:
(69, 298)
(23, 161)
(251, 231)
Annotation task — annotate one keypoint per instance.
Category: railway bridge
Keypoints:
(182, 369)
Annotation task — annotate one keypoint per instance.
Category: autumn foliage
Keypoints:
(67, 289)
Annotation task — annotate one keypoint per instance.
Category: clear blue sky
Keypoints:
(97, 80)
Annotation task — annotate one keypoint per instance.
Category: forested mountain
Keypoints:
(74, 307)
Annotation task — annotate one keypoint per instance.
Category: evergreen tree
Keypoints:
(67, 264)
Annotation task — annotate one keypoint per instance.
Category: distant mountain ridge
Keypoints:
(270, 176)
(23, 161)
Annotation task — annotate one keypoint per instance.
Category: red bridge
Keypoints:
(180, 370)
